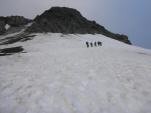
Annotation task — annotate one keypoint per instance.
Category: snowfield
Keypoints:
(58, 74)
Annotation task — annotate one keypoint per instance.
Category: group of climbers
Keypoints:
(93, 44)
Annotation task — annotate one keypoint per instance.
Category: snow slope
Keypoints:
(59, 74)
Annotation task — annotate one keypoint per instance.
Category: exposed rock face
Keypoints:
(63, 20)
(2, 25)
(68, 20)
(13, 21)
(17, 21)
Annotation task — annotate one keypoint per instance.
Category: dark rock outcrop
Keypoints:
(2, 25)
(10, 51)
(13, 21)
(69, 21)
(21, 37)
(17, 21)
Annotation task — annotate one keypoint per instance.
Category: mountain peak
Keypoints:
(58, 20)
(69, 21)
(63, 20)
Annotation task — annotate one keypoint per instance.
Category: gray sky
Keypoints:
(131, 17)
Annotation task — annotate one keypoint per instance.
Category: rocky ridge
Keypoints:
(69, 21)
(58, 20)
(15, 22)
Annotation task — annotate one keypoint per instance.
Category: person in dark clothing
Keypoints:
(91, 44)
(87, 43)
(95, 44)
(99, 43)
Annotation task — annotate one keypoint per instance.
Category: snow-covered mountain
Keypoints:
(57, 73)
(43, 72)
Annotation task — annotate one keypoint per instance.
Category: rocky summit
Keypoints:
(68, 21)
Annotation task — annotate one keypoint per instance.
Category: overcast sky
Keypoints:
(131, 17)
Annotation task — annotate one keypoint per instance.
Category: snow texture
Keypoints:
(7, 26)
(59, 74)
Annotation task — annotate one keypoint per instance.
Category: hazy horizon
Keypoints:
(119, 16)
